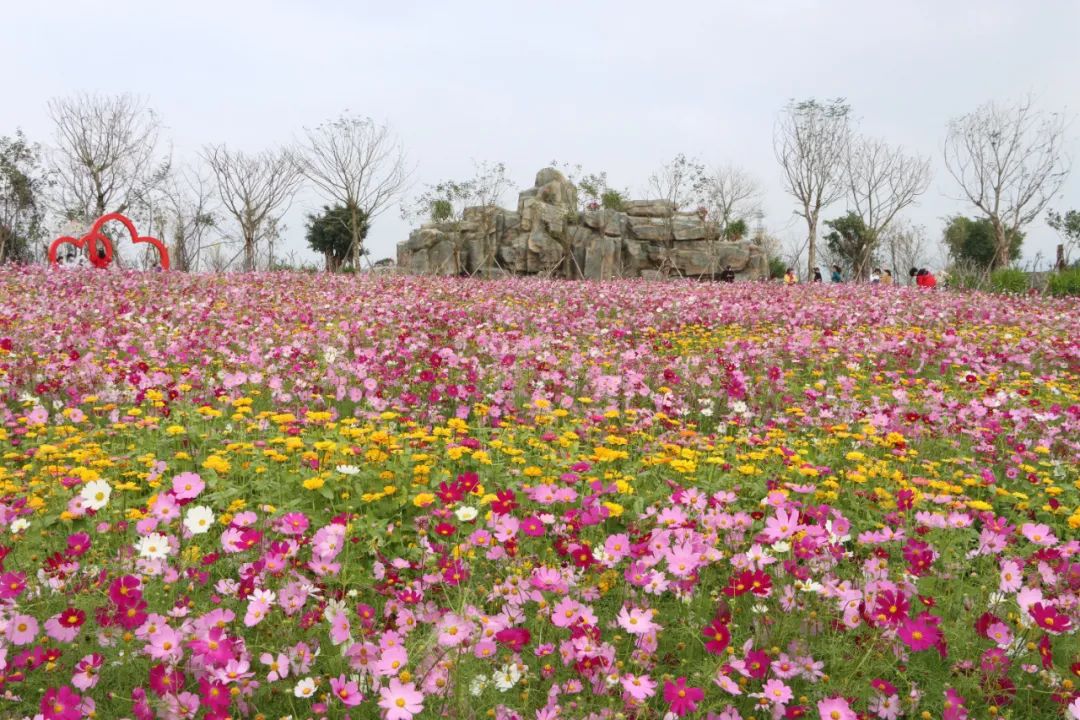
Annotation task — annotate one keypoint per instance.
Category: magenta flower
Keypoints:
(918, 633)
(1049, 619)
(682, 699)
(61, 703)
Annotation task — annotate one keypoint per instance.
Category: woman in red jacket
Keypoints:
(923, 278)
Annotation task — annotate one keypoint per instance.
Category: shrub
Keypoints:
(965, 276)
(777, 268)
(612, 200)
(1065, 282)
(1009, 280)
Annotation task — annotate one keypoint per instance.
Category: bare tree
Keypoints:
(447, 200)
(188, 215)
(1009, 161)
(359, 164)
(882, 181)
(255, 190)
(106, 156)
(679, 181)
(730, 194)
(810, 141)
(906, 246)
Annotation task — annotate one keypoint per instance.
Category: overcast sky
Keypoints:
(615, 86)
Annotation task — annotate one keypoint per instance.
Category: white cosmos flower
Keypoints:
(477, 685)
(95, 494)
(465, 513)
(19, 524)
(347, 469)
(154, 546)
(305, 688)
(199, 519)
(506, 677)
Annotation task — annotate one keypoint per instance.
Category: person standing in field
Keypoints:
(837, 276)
(817, 275)
(789, 277)
(886, 277)
(923, 278)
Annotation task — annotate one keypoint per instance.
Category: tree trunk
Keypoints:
(811, 243)
(1001, 245)
(356, 242)
(249, 254)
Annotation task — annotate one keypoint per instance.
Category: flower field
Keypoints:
(311, 496)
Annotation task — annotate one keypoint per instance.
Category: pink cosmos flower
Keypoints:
(1039, 534)
(279, 666)
(257, 609)
(22, 629)
(347, 691)
(400, 700)
(165, 645)
(294, 523)
(835, 709)
(1000, 633)
(453, 630)
(392, 661)
(783, 525)
(214, 646)
(639, 687)
(64, 627)
(565, 613)
(340, 628)
(86, 675)
(637, 621)
(777, 692)
(187, 486)
(1012, 576)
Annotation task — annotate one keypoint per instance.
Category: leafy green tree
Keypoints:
(851, 243)
(331, 234)
(22, 185)
(1068, 225)
(973, 240)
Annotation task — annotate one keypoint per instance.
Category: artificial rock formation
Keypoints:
(547, 235)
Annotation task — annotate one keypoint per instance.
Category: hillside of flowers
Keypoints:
(309, 496)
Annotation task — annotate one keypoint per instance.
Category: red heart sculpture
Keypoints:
(80, 243)
(91, 239)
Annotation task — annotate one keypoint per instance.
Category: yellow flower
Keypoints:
(314, 483)
(615, 508)
(423, 500)
(217, 464)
